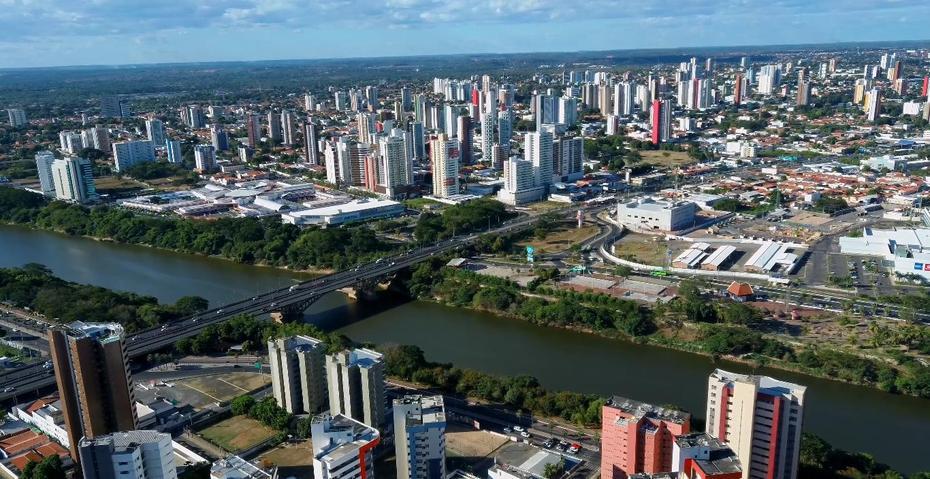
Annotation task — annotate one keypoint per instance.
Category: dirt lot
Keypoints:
(469, 443)
(221, 387)
(561, 239)
(642, 249)
(237, 433)
(299, 454)
(666, 158)
(112, 184)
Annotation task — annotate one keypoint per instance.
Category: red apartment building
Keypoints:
(638, 437)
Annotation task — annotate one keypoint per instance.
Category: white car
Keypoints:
(525, 434)
(518, 428)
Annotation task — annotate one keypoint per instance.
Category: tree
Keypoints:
(242, 405)
(188, 305)
(554, 470)
(49, 468)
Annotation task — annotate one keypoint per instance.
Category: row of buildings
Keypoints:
(753, 431)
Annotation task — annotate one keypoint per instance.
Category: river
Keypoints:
(850, 417)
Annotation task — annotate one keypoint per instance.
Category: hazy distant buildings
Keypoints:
(17, 117)
(298, 373)
(114, 107)
(355, 381)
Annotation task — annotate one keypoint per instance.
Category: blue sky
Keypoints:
(76, 32)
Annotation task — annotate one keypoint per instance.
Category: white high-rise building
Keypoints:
(342, 448)
(309, 103)
(568, 111)
(128, 153)
(73, 178)
(396, 164)
(287, 127)
(445, 161)
(488, 134)
(128, 455)
(505, 128)
(451, 115)
(366, 127)
(519, 183)
(274, 127)
(174, 152)
(17, 117)
(769, 79)
(71, 142)
(355, 380)
(44, 160)
(538, 150)
(760, 418)
(568, 158)
(420, 437)
(155, 131)
(298, 373)
(873, 105)
(205, 158)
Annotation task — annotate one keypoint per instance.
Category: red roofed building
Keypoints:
(740, 291)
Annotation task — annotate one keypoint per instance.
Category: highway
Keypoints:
(31, 378)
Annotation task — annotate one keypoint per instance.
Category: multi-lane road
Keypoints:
(34, 377)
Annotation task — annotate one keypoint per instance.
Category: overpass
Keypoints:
(289, 302)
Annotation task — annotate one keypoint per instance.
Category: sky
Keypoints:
(37, 33)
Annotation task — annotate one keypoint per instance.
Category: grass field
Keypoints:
(300, 454)
(115, 184)
(642, 249)
(237, 433)
(222, 387)
(423, 204)
(543, 206)
(666, 158)
(561, 239)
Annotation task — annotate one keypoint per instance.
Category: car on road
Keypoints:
(9, 389)
(219, 311)
(507, 430)
(574, 448)
(525, 434)
(518, 428)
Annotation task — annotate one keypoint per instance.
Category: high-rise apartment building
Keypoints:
(420, 437)
(465, 133)
(538, 150)
(367, 129)
(274, 127)
(128, 455)
(395, 165)
(298, 373)
(804, 93)
(175, 156)
(253, 128)
(287, 127)
(129, 153)
(155, 131)
(73, 179)
(342, 448)
(638, 437)
(355, 381)
(873, 105)
(699, 455)
(93, 380)
(444, 155)
(114, 107)
(568, 158)
(205, 158)
(17, 117)
(311, 143)
(218, 137)
(661, 121)
(760, 418)
(44, 160)
(97, 138)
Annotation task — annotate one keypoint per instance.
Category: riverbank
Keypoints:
(723, 330)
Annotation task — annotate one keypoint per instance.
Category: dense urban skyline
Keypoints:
(106, 32)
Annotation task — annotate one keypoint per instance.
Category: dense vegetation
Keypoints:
(265, 411)
(819, 460)
(462, 288)
(460, 219)
(34, 286)
(49, 468)
(245, 240)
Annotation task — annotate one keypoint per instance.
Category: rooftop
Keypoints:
(431, 409)
(765, 383)
(103, 332)
(640, 409)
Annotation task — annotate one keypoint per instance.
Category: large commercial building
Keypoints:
(445, 155)
(129, 153)
(298, 373)
(342, 448)
(128, 455)
(352, 211)
(906, 250)
(73, 179)
(760, 418)
(93, 380)
(355, 380)
(650, 214)
(638, 437)
(420, 437)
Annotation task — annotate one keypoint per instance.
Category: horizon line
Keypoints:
(439, 55)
